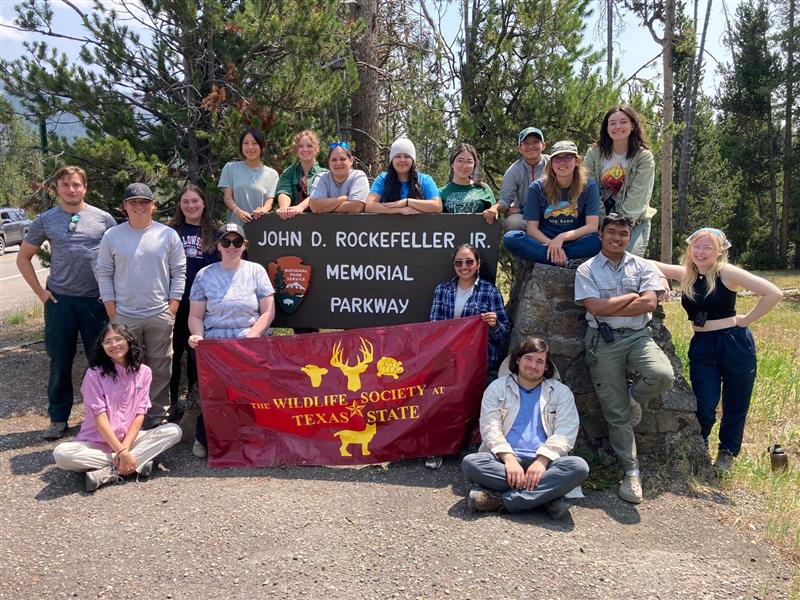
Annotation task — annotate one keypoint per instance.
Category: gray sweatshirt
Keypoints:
(517, 180)
(141, 269)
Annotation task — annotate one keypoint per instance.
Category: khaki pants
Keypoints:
(608, 364)
(82, 456)
(155, 336)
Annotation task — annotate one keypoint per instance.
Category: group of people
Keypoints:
(141, 294)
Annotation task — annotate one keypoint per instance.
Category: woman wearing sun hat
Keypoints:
(562, 212)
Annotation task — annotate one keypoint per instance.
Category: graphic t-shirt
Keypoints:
(612, 173)
(195, 259)
(471, 198)
(564, 215)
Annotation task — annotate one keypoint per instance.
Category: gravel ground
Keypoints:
(394, 530)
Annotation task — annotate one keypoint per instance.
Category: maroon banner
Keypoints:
(343, 398)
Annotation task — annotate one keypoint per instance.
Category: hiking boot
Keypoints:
(433, 462)
(724, 463)
(630, 489)
(56, 430)
(199, 450)
(636, 408)
(557, 509)
(100, 477)
(482, 500)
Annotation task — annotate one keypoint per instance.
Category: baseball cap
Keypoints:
(529, 131)
(231, 228)
(563, 147)
(137, 190)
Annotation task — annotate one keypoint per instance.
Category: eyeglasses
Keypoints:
(73, 223)
(563, 157)
(334, 145)
(112, 341)
(464, 162)
(460, 262)
(228, 242)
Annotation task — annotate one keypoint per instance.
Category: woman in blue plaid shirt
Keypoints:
(467, 295)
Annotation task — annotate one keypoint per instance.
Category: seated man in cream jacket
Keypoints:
(528, 423)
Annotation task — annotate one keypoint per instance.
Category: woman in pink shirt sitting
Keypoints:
(116, 396)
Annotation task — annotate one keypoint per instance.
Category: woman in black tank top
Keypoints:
(722, 353)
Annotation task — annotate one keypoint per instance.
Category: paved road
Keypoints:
(15, 295)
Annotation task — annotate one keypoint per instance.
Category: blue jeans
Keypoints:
(562, 475)
(63, 320)
(723, 363)
(521, 244)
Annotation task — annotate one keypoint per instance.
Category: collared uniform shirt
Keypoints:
(600, 278)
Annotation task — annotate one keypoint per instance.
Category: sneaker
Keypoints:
(146, 469)
(630, 489)
(56, 431)
(199, 450)
(636, 408)
(557, 509)
(483, 500)
(106, 475)
(724, 463)
(433, 462)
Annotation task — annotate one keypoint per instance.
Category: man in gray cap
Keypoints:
(518, 178)
(141, 272)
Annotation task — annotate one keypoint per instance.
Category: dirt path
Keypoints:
(395, 531)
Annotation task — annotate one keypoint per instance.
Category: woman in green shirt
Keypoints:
(294, 185)
(465, 193)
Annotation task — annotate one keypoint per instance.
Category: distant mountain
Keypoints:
(66, 126)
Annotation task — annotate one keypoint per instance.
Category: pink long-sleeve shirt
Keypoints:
(122, 400)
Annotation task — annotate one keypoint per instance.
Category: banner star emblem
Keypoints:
(355, 409)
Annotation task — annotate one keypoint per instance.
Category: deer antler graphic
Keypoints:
(353, 373)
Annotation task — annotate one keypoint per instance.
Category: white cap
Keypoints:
(403, 146)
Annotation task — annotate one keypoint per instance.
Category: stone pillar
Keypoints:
(542, 304)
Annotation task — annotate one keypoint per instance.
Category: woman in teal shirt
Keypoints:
(294, 185)
(465, 193)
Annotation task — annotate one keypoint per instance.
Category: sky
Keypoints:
(634, 44)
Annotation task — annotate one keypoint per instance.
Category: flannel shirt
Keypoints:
(485, 298)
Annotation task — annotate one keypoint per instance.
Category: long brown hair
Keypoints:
(207, 233)
(637, 140)
(552, 189)
(475, 177)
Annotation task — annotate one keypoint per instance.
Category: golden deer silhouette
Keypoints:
(353, 373)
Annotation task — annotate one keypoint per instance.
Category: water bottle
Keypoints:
(778, 459)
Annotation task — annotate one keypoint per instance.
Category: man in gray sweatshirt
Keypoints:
(518, 178)
(141, 272)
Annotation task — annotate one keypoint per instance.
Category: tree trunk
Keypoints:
(773, 191)
(364, 105)
(787, 137)
(610, 38)
(667, 121)
(688, 132)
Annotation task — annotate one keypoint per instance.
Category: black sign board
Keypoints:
(347, 271)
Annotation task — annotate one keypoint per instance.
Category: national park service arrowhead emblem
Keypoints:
(290, 278)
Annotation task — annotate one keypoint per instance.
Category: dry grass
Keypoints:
(774, 412)
(23, 326)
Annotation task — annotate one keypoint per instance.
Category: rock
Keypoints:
(542, 304)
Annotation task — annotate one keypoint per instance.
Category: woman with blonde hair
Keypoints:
(562, 212)
(722, 353)
(295, 183)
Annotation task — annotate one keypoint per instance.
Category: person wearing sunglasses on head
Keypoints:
(342, 189)
(562, 213)
(297, 180)
(248, 185)
(722, 353)
(229, 299)
(467, 295)
(71, 297)
(401, 189)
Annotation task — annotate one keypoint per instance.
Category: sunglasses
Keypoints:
(460, 262)
(73, 223)
(228, 242)
(344, 145)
